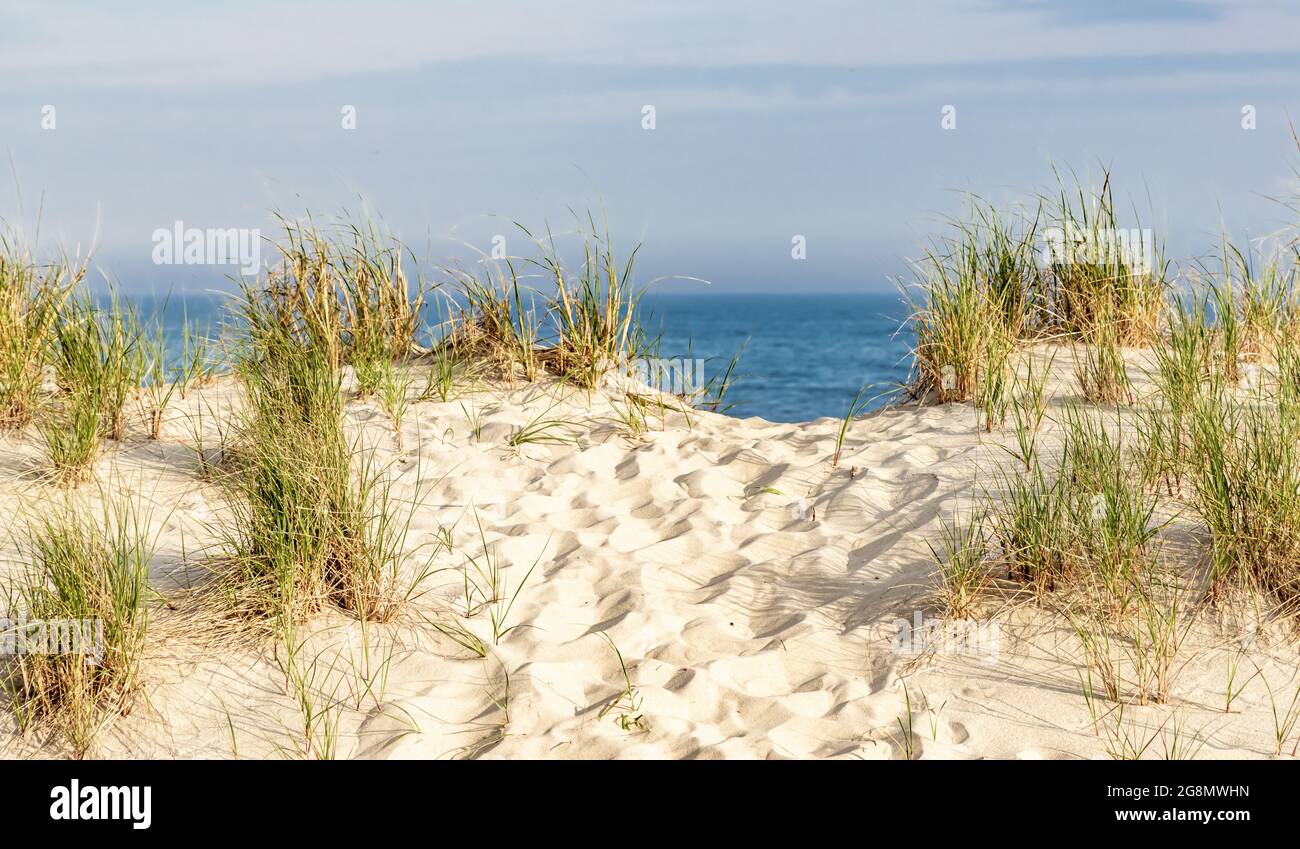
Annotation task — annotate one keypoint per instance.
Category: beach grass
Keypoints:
(998, 279)
(87, 566)
(345, 287)
(954, 321)
(580, 320)
(962, 561)
(70, 433)
(100, 350)
(32, 296)
(1100, 272)
(312, 520)
(1246, 489)
(594, 305)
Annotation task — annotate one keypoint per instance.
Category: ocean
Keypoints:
(802, 356)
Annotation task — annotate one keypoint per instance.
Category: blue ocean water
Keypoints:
(804, 356)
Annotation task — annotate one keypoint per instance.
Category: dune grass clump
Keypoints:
(1083, 537)
(1183, 371)
(998, 381)
(976, 296)
(579, 322)
(1028, 408)
(1111, 512)
(381, 304)
(98, 363)
(1030, 526)
(1099, 274)
(999, 250)
(1086, 518)
(497, 329)
(961, 556)
(1229, 329)
(311, 520)
(1268, 301)
(1131, 654)
(594, 307)
(347, 292)
(157, 389)
(1160, 450)
(990, 286)
(86, 576)
(71, 436)
(100, 351)
(955, 325)
(1252, 305)
(1246, 477)
(394, 397)
(1099, 366)
(448, 374)
(1126, 607)
(31, 297)
(196, 366)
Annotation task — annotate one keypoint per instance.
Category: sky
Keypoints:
(822, 120)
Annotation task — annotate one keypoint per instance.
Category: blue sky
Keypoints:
(820, 119)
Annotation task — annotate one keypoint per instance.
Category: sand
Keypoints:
(752, 590)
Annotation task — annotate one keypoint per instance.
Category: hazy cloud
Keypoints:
(187, 43)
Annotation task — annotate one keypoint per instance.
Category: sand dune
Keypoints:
(751, 589)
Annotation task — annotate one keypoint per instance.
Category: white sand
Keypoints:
(751, 588)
